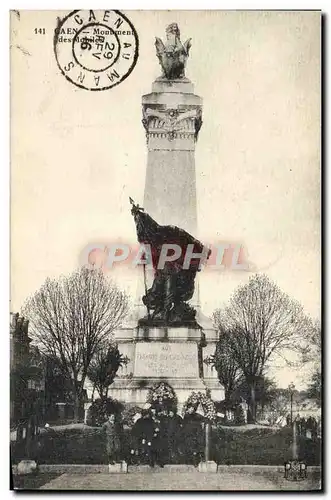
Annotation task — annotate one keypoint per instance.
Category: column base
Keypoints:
(118, 468)
(26, 467)
(209, 466)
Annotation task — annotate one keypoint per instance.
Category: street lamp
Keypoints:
(291, 389)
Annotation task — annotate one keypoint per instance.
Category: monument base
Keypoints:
(165, 354)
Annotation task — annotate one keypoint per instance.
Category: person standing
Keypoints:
(159, 448)
(134, 440)
(173, 433)
(113, 440)
(143, 437)
(192, 436)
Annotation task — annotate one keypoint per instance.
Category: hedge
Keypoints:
(229, 447)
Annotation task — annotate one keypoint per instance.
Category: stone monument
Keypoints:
(167, 339)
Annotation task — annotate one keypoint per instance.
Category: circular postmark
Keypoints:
(96, 49)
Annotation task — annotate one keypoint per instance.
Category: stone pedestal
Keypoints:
(171, 354)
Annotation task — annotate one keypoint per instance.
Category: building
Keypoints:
(26, 374)
(19, 340)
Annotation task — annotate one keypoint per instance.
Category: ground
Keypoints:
(168, 479)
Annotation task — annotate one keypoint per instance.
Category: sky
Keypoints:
(76, 155)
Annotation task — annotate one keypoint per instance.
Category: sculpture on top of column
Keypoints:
(173, 283)
(173, 54)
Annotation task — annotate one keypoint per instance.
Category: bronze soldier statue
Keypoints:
(173, 284)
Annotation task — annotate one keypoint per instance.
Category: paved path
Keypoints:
(166, 480)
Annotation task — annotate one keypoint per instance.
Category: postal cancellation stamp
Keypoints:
(96, 49)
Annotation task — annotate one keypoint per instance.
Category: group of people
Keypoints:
(158, 437)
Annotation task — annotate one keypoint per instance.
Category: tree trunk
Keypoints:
(77, 406)
(252, 412)
(226, 403)
(103, 395)
(226, 395)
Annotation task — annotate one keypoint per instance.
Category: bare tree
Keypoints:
(259, 321)
(226, 366)
(103, 367)
(311, 348)
(71, 316)
(315, 387)
(312, 353)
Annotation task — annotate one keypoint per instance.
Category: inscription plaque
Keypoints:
(166, 359)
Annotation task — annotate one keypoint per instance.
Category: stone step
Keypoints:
(171, 468)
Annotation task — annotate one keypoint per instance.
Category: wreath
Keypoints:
(206, 402)
(161, 396)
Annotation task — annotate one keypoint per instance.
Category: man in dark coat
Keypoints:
(174, 426)
(143, 436)
(160, 447)
(192, 436)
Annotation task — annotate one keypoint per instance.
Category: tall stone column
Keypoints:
(172, 118)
